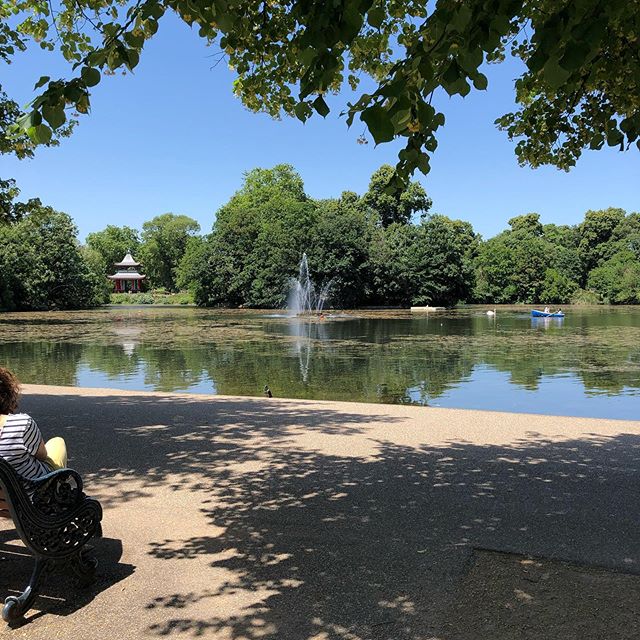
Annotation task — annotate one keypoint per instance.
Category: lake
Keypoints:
(585, 365)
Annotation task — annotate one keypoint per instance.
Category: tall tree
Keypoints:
(394, 205)
(617, 280)
(42, 267)
(626, 235)
(257, 241)
(441, 261)
(339, 249)
(164, 243)
(390, 266)
(529, 223)
(514, 266)
(595, 233)
(577, 89)
(12, 210)
(112, 243)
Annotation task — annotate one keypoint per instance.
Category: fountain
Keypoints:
(303, 298)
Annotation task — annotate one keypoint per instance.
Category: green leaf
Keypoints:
(375, 17)
(377, 120)
(425, 114)
(97, 58)
(302, 111)
(451, 74)
(133, 58)
(461, 18)
(40, 134)
(30, 120)
(225, 21)
(393, 89)
(461, 86)
(321, 106)
(90, 76)
(575, 55)
(352, 21)
(470, 59)
(43, 133)
(400, 120)
(537, 61)
(155, 10)
(480, 82)
(151, 26)
(631, 125)
(423, 163)
(55, 116)
(43, 80)
(501, 24)
(614, 137)
(73, 93)
(307, 56)
(134, 40)
(554, 75)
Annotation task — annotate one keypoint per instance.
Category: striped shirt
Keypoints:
(19, 442)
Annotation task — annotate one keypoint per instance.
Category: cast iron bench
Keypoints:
(55, 520)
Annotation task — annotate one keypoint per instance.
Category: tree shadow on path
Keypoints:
(321, 545)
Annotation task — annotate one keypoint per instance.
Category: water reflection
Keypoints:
(586, 364)
(546, 323)
(128, 336)
(304, 333)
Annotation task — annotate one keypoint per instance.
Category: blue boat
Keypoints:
(544, 314)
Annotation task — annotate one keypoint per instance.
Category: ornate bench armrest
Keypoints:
(57, 492)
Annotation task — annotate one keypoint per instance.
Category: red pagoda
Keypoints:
(127, 279)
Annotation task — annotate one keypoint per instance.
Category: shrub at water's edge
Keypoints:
(183, 298)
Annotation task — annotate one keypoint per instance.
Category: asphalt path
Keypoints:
(240, 518)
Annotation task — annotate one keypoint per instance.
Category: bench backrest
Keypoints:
(11, 487)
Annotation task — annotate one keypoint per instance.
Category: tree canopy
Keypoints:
(579, 88)
(394, 205)
(112, 243)
(164, 243)
(42, 265)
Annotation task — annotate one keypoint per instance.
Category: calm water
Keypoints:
(585, 365)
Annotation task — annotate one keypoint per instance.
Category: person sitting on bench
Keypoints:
(21, 443)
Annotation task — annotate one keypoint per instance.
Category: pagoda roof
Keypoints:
(127, 261)
(127, 275)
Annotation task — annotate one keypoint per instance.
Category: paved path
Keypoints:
(238, 518)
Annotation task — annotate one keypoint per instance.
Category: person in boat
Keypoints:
(21, 443)
(546, 310)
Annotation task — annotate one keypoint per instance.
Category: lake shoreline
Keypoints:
(468, 419)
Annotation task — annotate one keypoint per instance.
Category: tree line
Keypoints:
(383, 248)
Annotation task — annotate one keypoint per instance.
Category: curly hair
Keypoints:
(9, 391)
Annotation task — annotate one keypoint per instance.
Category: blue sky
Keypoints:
(172, 137)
